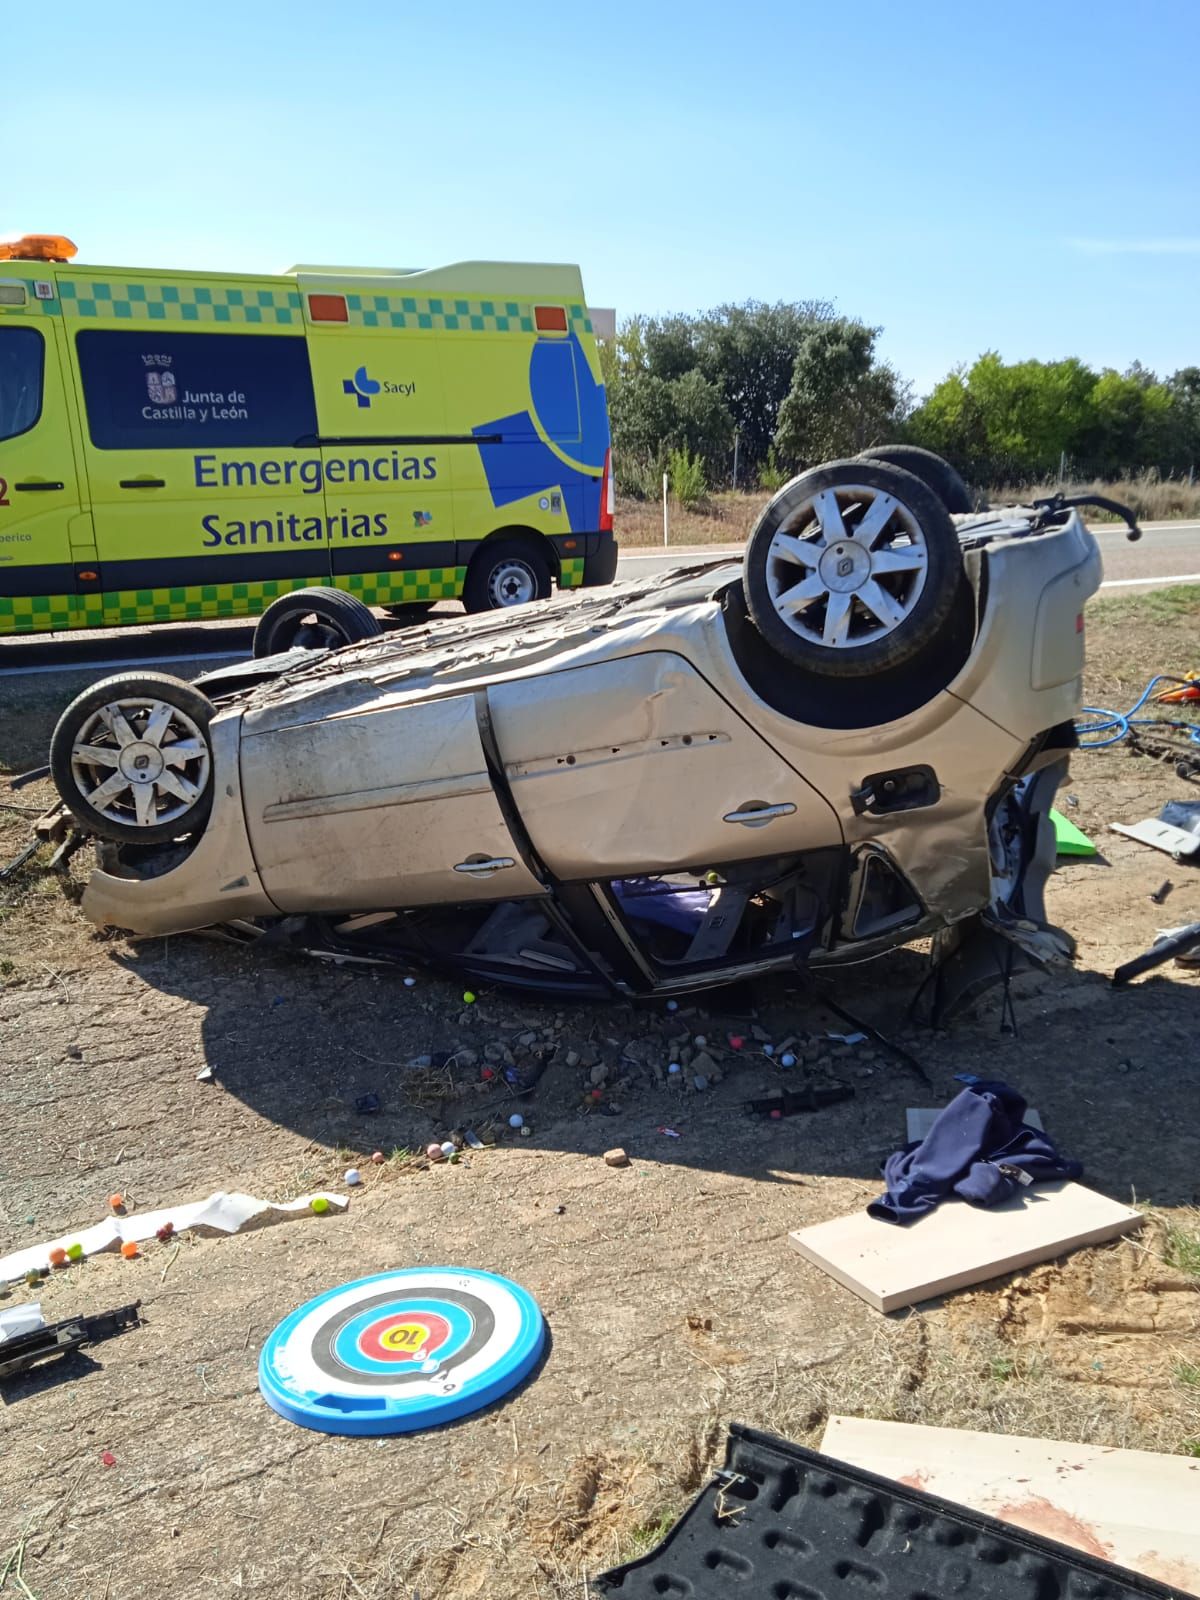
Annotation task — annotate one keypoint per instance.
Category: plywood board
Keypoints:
(919, 1120)
(1132, 1507)
(959, 1244)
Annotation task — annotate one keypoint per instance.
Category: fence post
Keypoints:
(736, 439)
(666, 535)
(1062, 466)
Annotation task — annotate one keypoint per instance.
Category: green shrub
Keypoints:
(771, 475)
(686, 474)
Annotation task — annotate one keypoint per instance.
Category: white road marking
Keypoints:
(1133, 583)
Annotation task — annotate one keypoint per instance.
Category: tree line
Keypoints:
(768, 390)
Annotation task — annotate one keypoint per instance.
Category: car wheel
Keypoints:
(933, 472)
(852, 569)
(131, 758)
(314, 619)
(509, 572)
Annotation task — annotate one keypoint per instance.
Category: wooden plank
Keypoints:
(919, 1120)
(959, 1244)
(1131, 1507)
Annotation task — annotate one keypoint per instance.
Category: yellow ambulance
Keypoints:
(184, 445)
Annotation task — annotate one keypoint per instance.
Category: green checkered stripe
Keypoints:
(33, 307)
(453, 316)
(40, 613)
(97, 300)
(570, 572)
(401, 588)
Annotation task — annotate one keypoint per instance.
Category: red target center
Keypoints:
(404, 1336)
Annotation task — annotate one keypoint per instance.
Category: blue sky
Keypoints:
(969, 175)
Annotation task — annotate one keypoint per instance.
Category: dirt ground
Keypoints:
(673, 1300)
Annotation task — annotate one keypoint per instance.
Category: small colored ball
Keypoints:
(58, 1256)
(378, 1157)
(165, 1232)
(319, 1204)
(776, 1116)
(74, 1252)
(410, 983)
(736, 1041)
(33, 1277)
(116, 1202)
(787, 1060)
(434, 1151)
(701, 1041)
(129, 1249)
(468, 998)
(672, 1005)
(448, 1148)
(487, 1074)
(516, 1120)
(674, 1067)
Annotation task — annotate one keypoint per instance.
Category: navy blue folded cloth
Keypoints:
(978, 1148)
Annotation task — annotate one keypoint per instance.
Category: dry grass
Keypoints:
(1149, 497)
(727, 517)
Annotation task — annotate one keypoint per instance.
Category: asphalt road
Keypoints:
(1169, 553)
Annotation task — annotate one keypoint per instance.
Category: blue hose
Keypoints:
(1115, 725)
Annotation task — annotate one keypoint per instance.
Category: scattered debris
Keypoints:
(459, 1339)
(40, 1343)
(752, 1526)
(1133, 1507)
(19, 860)
(1160, 894)
(786, 1102)
(368, 1104)
(221, 1213)
(1068, 839)
(1179, 942)
(205, 1075)
(616, 1157)
(1179, 843)
(979, 1147)
(959, 1244)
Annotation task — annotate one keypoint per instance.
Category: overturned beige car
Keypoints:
(845, 742)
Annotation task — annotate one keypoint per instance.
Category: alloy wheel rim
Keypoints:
(847, 567)
(141, 762)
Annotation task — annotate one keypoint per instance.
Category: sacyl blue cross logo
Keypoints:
(361, 387)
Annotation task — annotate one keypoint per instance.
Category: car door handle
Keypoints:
(38, 485)
(755, 816)
(484, 868)
(143, 483)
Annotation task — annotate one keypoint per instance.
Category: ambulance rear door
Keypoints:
(199, 438)
(39, 483)
(377, 376)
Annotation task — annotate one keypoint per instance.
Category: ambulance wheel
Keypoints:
(506, 572)
(853, 569)
(132, 761)
(314, 619)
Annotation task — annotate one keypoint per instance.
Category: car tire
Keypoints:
(853, 569)
(167, 792)
(314, 619)
(933, 471)
(515, 567)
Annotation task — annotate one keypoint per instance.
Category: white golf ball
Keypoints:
(700, 1041)
(353, 1176)
(448, 1148)
(410, 983)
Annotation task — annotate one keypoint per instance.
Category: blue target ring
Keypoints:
(401, 1351)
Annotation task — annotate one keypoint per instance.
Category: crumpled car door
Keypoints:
(392, 805)
(639, 766)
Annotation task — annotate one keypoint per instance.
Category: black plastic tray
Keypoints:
(784, 1523)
